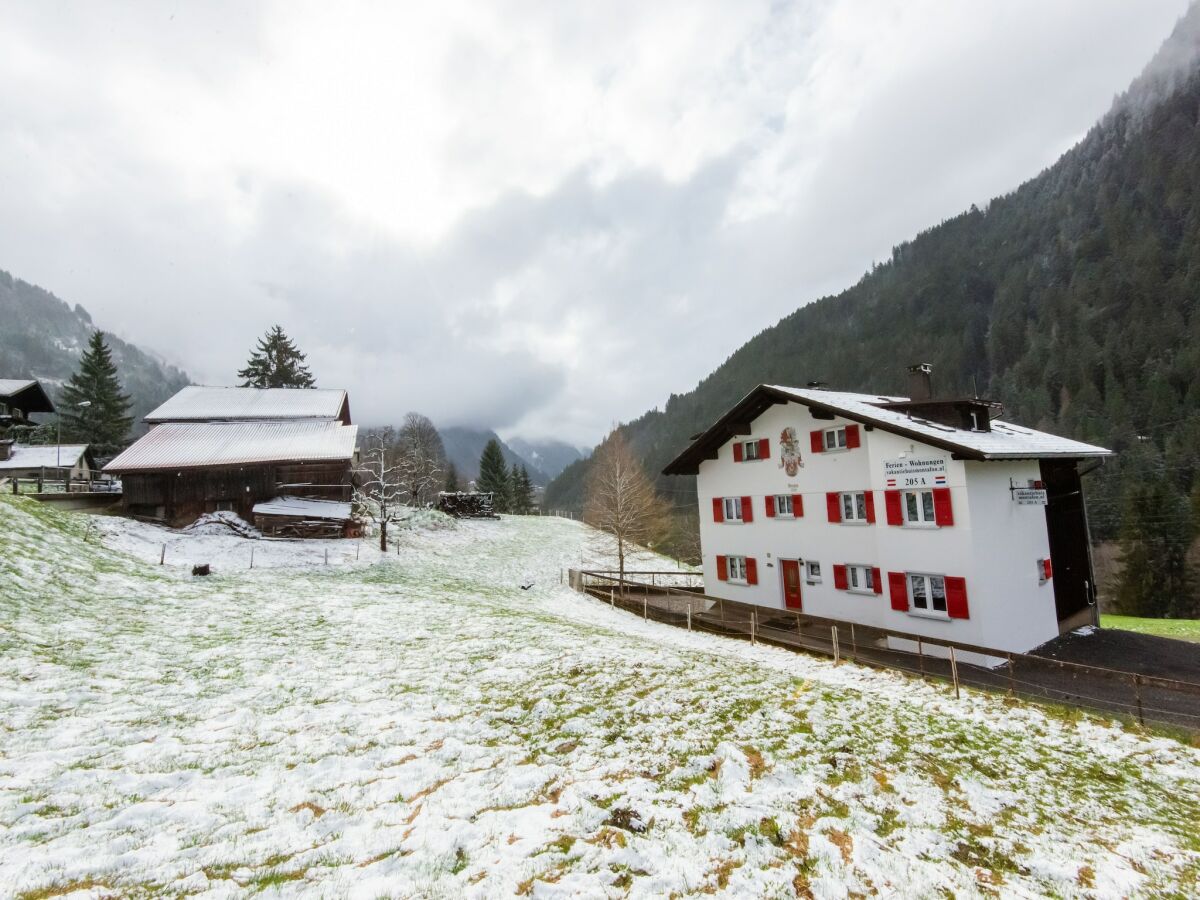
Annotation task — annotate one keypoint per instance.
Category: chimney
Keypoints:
(920, 384)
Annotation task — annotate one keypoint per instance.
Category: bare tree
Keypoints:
(380, 494)
(621, 500)
(421, 458)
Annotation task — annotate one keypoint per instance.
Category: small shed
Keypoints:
(52, 461)
(303, 517)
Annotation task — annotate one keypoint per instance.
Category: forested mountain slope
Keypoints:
(1072, 300)
(42, 337)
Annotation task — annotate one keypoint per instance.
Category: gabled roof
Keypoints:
(25, 393)
(189, 445)
(1003, 441)
(25, 456)
(199, 403)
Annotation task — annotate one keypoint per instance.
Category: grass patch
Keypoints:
(1179, 629)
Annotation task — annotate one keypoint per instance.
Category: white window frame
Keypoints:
(782, 500)
(854, 519)
(859, 578)
(750, 451)
(926, 580)
(732, 508)
(920, 521)
(834, 439)
(736, 564)
(812, 571)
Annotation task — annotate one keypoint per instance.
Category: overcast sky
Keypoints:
(543, 218)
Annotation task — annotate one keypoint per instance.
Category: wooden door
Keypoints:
(791, 583)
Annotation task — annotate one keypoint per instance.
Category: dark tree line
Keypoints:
(511, 487)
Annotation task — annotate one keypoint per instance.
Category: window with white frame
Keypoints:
(835, 438)
(750, 450)
(860, 578)
(736, 568)
(918, 508)
(927, 595)
(783, 505)
(812, 571)
(733, 509)
(854, 506)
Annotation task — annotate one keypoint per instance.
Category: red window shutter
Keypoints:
(770, 506)
(870, 497)
(852, 438)
(956, 598)
(751, 570)
(722, 569)
(1047, 570)
(840, 581)
(898, 588)
(797, 505)
(718, 509)
(818, 441)
(943, 509)
(737, 452)
(747, 510)
(877, 577)
(764, 448)
(833, 505)
(891, 500)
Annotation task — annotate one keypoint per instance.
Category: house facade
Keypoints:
(918, 516)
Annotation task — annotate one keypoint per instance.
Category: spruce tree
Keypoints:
(276, 363)
(451, 486)
(522, 490)
(104, 422)
(493, 476)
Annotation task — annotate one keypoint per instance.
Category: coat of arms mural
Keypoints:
(789, 451)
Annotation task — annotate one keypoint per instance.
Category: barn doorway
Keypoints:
(1066, 527)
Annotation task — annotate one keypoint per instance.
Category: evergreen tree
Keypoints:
(451, 486)
(493, 476)
(104, 421)
(276, 363)
(522, 490)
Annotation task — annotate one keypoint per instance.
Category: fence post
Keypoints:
(1137, 688)
(612, 598)
(162, 557)
(326, 556)
(853, 641)
(689, 615)
(252, 556)
(645, 607)
(954, 672)
(358, 550)
(837, 656)
(921, 658)
(753, 623)
(1012, 683)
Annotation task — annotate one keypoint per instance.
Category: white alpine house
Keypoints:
(915, 515)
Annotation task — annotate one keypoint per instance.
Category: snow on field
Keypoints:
(416, 724)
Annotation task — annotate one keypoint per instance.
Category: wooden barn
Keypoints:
(19, 397)
(254, 446)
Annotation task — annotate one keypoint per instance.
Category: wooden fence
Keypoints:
(668, 597)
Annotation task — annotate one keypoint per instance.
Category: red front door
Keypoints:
(791, 583)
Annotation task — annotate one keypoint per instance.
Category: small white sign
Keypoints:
(1029, 496)
(915, 472)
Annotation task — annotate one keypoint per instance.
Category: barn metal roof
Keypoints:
(304, 508)
(1003, 441)
(188, 445)
(199, 403)
(25, 456)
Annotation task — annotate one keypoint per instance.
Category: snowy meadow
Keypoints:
(417, 724)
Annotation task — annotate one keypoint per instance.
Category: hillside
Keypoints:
(43, 337)
(1072, 300)
(464, 446)
(419, 725)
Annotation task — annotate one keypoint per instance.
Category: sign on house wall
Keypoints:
(915, 472)
(1029, 496)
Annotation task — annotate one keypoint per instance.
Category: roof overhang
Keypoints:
(32, 398)
(737, 422)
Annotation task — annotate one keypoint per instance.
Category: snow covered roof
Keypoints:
(302, 507)
(1003, 441)
(185, 445)
(37, 400)
(198, 403)
(27, 457)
